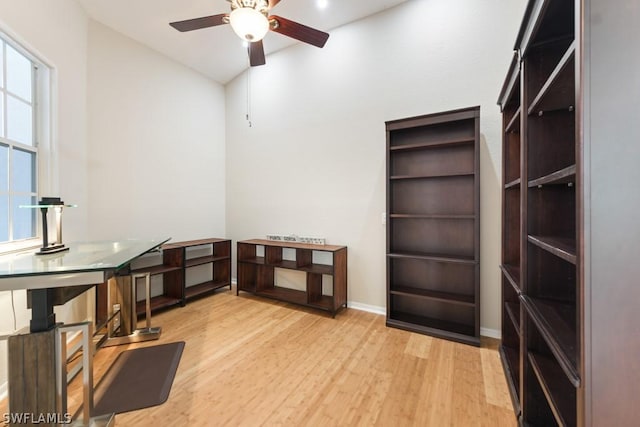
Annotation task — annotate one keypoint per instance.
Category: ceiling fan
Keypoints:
(251, 21)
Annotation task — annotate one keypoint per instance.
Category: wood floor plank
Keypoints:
(250, 361)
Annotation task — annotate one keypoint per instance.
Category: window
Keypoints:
(19, 157)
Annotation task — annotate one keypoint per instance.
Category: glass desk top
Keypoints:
(81, 257)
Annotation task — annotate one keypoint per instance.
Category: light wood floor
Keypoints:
(250, 361)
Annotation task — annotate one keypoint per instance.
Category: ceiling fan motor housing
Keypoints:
(261, 6)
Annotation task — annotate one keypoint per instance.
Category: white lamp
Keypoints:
(249, 24)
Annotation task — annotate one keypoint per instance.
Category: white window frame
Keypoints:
(43, 91)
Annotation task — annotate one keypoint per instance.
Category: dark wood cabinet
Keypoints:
(258, 259)
(552, 344)
(177, 259)
(433, 227)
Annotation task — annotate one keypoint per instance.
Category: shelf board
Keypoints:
(558, 92)
(467, 300)
(284, 294)
(512, 273)
(311, 268)
(325, 302)
(435, 257)
(157, 303)
(293, 245)
(513, 184)
(189, 243)
(514, 123)
(156, 269)
(294, 296)
(561, 401)
(431, 176)
(432, 144)
(513, 311)
(254, 260)
(563, 176)
(203, 288)
(556, 322)
(564, 248)
(192, 262)
(436, 327)
(431, 216)
(510, 359)
(511, 87)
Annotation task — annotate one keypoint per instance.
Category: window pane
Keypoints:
(4, 218)
(19, 121)
(1, 113)
(18, 74)
(24, 220)
(23, 171)
(1, 62)
(4, 168)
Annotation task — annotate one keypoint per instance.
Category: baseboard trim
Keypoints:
(491, 333)
(367, 307)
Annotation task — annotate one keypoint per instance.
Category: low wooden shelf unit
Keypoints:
(176, 260)
(256, 274)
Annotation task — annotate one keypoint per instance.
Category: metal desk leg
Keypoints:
(129, 315)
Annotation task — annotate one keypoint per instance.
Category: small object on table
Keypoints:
(57, 204)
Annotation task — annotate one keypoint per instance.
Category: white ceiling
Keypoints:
(217, 52)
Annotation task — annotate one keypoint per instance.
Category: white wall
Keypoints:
(156, 144)
(57, 33)
(313, 163)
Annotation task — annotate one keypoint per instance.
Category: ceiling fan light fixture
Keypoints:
(249, 24)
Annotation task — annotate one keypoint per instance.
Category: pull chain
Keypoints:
(248, 113)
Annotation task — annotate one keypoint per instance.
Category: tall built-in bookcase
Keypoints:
(569, 289)
(433, 229)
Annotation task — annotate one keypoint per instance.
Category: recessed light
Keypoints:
(322, 4)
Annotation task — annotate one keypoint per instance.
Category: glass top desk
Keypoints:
(85, 263)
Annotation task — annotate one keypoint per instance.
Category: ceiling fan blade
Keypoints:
(198, 23)
(273, 3)
(256, 54)
(299, 32)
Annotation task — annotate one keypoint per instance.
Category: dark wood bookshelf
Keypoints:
(540, 341)
(433, 252)
(176, 260)
(570, 225)
(256, 274)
